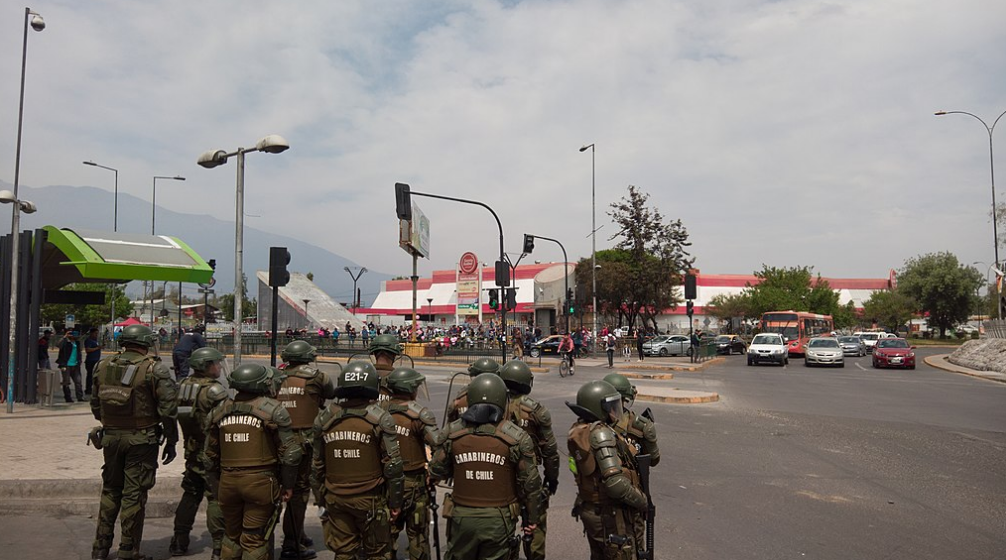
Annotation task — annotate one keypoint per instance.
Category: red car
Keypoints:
(893, 352)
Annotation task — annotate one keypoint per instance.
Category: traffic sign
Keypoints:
(70, 321)
(210, 284)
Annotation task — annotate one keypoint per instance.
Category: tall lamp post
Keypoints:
(307, 318)
(992, 175)
(38, 24)
(362, 269)
(153, 221)
(272, 144)
(115, 228)
(593, 238)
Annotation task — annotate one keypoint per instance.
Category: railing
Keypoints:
(995, 328)
(706, 351)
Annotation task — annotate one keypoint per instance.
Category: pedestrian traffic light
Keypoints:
(528, 244)
(212, 263)
(494, 301)
(403, 201)
(279, 258)
(571, 306)
(690, 308)
(511, 298)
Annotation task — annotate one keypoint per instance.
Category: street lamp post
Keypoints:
(272, 144)
(429, 309)
(307, 318)
(992, 175)
(38, 24)
(115, 228)
(362, 269)
(153, 221)
(593, 238)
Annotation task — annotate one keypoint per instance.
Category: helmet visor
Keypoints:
(612, 406)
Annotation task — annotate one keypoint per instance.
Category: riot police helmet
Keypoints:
(385, 343)
(487, 400)
(623, 386)
(517, 376)
(202, 358)
(137, 335)
(404, 381)
(256, 379)
(483, 365)
(358, 380)
(299, 352)
(598, 401)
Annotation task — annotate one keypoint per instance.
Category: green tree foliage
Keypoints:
(845, 315)
(649, 260)
(782, 289)
(942, 286)
(724, 307)
(90, 315)
(226, 303)
(890, 310)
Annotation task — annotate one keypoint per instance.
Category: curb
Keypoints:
(655, 376)
(692, 399)
(939, 361)
(79, 497)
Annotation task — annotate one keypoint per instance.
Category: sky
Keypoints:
(782, 133)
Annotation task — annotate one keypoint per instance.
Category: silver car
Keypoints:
(823, 351)
(852, 345)
(668, 345)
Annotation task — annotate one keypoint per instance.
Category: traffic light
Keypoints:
(212, 263)
(690, 286)
(511, 298)
(571, 306)
(569, 294)
(690, 308)
(494, 302)
(403, 201)
(279, 257)
(528, 244)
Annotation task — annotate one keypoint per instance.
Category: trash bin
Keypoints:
(48, 379)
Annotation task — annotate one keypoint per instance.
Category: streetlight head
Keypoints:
(346, 268)
(584, 149)
(212, 158)
(37, 23)
(940, 113)
(6, 196)
(272, 144)
(178, 178)
(90, 163)
(362, 270)
(27, 206)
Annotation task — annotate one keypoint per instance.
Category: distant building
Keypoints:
(302, 305)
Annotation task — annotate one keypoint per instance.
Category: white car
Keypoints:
(823, 351)
(768, 347)
(870, 338)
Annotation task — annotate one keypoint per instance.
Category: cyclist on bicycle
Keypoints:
(566, 348)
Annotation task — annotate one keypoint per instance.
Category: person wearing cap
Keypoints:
(71, 356)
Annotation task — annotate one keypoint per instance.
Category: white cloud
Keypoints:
(805, 124)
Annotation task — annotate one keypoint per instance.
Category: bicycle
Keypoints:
(564, 365)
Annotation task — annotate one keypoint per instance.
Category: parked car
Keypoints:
(894, 352)
(730, 343)
(668, 345)
(823, 351)
(852, 345)
(768, 347)
(547, 345)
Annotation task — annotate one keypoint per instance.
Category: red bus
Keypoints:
(797, 327)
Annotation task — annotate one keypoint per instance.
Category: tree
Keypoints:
(942, 286)
(310, 276)
(649, 258)
(90, 315)
(725, 307)
(249, 308)
(889, 309)
(791, 289)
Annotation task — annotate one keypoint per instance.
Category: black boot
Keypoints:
(291, 553)
(179, 544)
(67, 396)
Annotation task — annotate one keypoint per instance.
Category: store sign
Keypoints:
(469, 282)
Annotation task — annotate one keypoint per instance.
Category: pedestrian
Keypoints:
(190, 341)
(69, 359)
(198, 394)
(304, 391)
(418, 438)
(459, 404)
(577, 342)
(536, 420)
(357, 467)
(640, 339)
(609, 498)
(335, 336)
(696, 340)
(609, 347)
(491, 461)
(251, 458)
(43, 350)
(92, 355)
(638, 430)
(136, 401)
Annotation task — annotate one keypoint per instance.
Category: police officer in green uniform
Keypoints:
(357, 467)
(417, 430)
(197, 395)
(536, 420)
(609, 496)
(251, 460)
(384, 350)
(136, 400)
(303, 393)
(491, 461)
(460, 403)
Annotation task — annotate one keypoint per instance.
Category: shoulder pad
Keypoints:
(456, 429)
(216, 393)
(422, 413)
(510, 432)
(375, 414)
(602, 436)
(324, 417)
(218, 412)
(281, 417)
(305, 370)
(160, 371)
(384, 421)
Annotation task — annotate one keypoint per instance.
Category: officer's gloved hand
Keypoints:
(551, 486)
(168, 454)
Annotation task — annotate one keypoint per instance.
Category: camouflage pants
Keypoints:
(415, 517)
(535, 550)
(482, 533)
(358, 526)
(249, 501)
(126, 477)
(602, 522)
(293, 516)
(194, 487)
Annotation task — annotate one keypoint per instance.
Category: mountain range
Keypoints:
(92, 208)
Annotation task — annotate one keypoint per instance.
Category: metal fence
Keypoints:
(995, 328)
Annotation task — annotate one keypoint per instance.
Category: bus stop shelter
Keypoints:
(52, 258)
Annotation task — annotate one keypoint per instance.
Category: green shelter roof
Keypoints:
(82, 255)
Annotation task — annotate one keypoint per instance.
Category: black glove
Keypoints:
(168, 454)
(552, 486)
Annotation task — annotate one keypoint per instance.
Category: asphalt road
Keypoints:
(793, 462)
